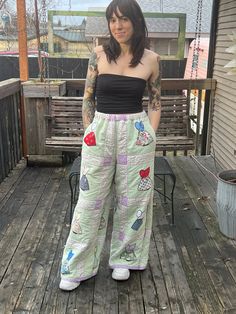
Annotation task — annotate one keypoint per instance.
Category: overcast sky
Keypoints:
(81, 4)
(76, 5)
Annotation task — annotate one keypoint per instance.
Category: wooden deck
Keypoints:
(192, 266)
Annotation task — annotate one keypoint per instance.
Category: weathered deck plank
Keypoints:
(149, 293)
(9, 184)
(180, 295)
(161, 296)
(197, 276)
(53, 298)
(52, 208)
(197, 222)
(16, 217)
(31, 228)
(192, 266)
(105, 289)
(206, 207)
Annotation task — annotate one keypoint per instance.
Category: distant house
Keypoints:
(71, 43)
(9, 42)
(163, 33)
(67, 42)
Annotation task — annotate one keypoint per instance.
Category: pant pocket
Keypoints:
(149, 128)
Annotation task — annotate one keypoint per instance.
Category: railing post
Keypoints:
(188, 109)
(10, 139)
(210, 114)
(199, 107)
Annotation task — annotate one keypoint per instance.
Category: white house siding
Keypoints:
(223, 140)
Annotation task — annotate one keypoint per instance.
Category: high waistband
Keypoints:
(121, 117)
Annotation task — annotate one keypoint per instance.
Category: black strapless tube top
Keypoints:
(119, 93)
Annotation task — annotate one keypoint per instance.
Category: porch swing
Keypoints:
(65, 128)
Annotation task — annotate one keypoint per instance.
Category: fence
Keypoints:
(75, 68)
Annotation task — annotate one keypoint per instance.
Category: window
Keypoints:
(44, 47)
(57, 47)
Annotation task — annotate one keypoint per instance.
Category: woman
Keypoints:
(119, 148)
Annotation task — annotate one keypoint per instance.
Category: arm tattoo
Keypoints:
(154, 89)
(88, 108)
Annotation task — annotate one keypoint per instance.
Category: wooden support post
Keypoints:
(188, 109)
(40, 62)
(50, 33)
(22, 40)
(197, 135)
(23, 62)
(209, 118)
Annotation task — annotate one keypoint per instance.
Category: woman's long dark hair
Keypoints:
(132, 10)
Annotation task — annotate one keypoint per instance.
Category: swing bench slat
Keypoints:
(65, 127)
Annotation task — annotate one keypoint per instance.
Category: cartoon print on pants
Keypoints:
(84, 183)
(90, 138)
(76, 228)
(145, 182)
(128, 254)
(138, 222)
(121, 235)
(102, 223)
(144, 138)
(65, 267)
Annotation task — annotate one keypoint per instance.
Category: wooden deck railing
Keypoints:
(10, 129)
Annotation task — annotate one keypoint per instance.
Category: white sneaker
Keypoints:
(120, 274)
(67, 285)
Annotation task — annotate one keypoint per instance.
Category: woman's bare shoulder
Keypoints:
(152, 56)
(99, 50)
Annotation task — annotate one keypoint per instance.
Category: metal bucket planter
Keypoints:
(226, 202)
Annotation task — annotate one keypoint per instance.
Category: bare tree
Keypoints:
(43, 6)
(8, 5)
(8, 23)
(36, 20)
(2, 2)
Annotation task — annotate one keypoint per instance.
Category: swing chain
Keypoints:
(197, 39)
(45, 41)
(195, 60)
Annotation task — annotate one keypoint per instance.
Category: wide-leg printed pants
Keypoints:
(118, 151)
